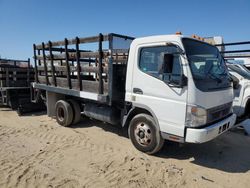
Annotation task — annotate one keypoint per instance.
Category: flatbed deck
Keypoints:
(91, 68)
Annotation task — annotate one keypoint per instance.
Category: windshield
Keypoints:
(240, 69)
(207, 65)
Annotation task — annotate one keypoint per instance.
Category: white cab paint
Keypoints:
(169, 104)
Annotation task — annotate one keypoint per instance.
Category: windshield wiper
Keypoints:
(212, 76)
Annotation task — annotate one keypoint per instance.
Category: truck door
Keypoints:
(152, 89)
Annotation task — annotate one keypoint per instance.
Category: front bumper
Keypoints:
(195, 135)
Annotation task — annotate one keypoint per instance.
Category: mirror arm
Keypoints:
(176, 86)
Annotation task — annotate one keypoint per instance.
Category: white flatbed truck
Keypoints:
(159, 87)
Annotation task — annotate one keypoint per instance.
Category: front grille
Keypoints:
(218, 112)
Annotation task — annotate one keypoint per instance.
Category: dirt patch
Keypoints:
(36, 152)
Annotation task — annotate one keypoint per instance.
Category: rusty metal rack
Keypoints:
(15, 79)
(90, 65)
(15, 73)
(236, 52)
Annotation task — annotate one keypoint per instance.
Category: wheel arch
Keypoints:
(139, 109)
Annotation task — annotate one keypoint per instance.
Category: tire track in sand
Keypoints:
(19, 174)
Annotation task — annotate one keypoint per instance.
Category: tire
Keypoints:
(13, 103)
(144, 134)
(64, 113)
(20, 110)
(76, 111)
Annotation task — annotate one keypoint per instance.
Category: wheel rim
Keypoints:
(60, 114)
(143, 134)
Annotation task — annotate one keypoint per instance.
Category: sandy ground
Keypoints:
(36, 152)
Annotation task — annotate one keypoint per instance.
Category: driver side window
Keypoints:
(160, 62)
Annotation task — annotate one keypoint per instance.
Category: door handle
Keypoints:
(137, 91)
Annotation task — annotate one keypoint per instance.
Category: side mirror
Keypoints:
(236, 85)
(235, 81)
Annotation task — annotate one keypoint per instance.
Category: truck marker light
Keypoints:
(178, 33)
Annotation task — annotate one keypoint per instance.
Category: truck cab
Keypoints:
(183, 84)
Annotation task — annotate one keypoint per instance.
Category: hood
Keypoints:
(211, 99)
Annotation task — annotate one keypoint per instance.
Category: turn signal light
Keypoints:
(198, 37)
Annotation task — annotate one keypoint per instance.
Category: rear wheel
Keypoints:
(64, 113)
(19, 111)
(144, 134)
(13, 103)
(13, 100)
(76, 111)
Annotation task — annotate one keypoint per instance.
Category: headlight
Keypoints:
(195, 116)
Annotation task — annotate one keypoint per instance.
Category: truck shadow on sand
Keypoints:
(35, 113)
(87, 122)
(230, 152)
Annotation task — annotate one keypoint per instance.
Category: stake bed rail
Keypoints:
(92, 67)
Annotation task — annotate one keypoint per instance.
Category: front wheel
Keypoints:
(144, 134)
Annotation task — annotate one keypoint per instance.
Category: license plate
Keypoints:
(224, 127)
